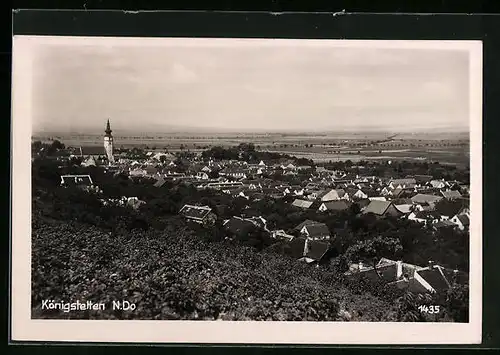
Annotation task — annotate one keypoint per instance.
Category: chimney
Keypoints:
(431, 264)
(360, 265)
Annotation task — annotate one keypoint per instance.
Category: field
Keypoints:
(451, 148)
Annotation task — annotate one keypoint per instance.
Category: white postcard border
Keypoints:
(23, 328)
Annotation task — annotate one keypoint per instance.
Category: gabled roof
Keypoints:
(423, 178)
(160, 182)
(451, 194)
(307, 222)
(421, 198)
(195, 212)
(435, 278)
(297, 246)
(427, 215)
(76, 180)
(464, 219)
(449, 208)
(302, 203)
(377, 207)
(238, 226)
(92, 150)
(316, 250)
(405, 208)
(444, 224)
(406, 182)
(339, 205)
(317, 230)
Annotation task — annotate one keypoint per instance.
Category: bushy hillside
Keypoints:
(176, 275)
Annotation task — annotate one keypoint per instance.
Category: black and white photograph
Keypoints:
(265, 182)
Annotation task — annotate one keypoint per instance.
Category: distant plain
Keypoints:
(444, 147)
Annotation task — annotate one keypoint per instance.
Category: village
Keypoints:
(434, 203)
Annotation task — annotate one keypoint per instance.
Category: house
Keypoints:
(314, 251)
(239, 227)
(449, 208)
(335, 194)
(451, 194)
(377, 198)
(339, 205)
(414, 278)
(82, 181)
(385, 191)
(405, 209)
(425, 198)
(426, 217)
(198, 214)
(461, 220)
(402, 183)
(160, 182)
(430, 279)
(282, 235)
(202, 175)
(316, 231)
(423, 179)
(359, 195)
(92, 151)
(381, 208)
(302, 203)
(89, 161)
(444, 224)
(236, 173)
(151, 170)
(316, 194)
(438, 184)
(303, 224)
(297, 247)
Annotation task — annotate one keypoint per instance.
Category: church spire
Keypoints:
(108, 129)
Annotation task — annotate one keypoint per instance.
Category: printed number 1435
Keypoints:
(428, 309)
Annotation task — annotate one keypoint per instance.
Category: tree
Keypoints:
(377, 247)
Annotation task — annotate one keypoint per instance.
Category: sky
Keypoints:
(251, 86)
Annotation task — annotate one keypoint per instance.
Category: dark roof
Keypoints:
(239, 226)
(297, 247)
(434, 278)
(76, 180)
(452, 194)
(464, 219)
(160, 182)
(195, 212)
(423, 178)
(377, 207)
(92, 150)
(386, 272)
(427, 215)
(316, 250)
(318, 230)
(449, 208)
(444, 224)
(339, 205)
(402, 201)
(305, 223)
(363, 203)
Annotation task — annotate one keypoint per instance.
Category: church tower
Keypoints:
(108, 143)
